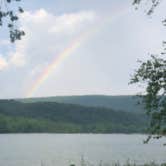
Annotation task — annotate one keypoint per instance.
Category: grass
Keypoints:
(83, 163)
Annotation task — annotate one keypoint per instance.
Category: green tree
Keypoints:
(152, 74)
(150, 5)
(9, 13)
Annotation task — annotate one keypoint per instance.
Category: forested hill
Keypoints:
(122, 103)
(66, 118)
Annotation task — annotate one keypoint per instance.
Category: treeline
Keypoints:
(17, 117)
(117, 103)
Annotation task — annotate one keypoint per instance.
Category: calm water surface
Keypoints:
(64, 149)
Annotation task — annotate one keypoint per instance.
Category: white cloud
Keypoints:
(46, 35)
(72, 22)
(17, 59)
(3, 63)
(101, 65)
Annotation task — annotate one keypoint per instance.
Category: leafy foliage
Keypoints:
(118, 103)
(66, 118)
(8, 13)
(152, 5)
(153, 74)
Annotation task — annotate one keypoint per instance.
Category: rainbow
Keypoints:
(56, 62)
(76, 43)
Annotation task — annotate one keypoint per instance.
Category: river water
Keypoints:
(65, 149)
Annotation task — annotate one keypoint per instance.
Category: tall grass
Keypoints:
(128, 163)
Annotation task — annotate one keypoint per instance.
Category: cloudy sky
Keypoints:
(78, 47)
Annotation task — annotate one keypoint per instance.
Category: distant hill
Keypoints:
(17, 116)
(118, 103)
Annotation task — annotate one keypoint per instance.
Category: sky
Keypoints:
(78, 48)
